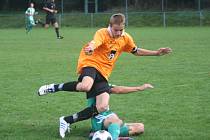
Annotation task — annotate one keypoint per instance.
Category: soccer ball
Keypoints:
(102, 135)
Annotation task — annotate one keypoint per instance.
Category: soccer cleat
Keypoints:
(60, 37)
(63, 127)
(43, 90)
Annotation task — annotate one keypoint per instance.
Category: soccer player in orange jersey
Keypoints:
(95, 65)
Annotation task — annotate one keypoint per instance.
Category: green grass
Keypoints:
(178, 108)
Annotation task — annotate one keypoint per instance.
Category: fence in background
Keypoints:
(134, 19)
(139, 19)
(139, 13)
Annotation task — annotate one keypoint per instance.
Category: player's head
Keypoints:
(117, 24)
(31, 4)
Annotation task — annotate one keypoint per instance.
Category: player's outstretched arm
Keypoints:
(159, 52)
(127, 89)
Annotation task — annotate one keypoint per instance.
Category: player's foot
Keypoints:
(43, 90)
(60, 37)
(63, 127)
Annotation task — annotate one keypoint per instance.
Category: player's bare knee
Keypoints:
(86, 84)
(102, 107)
(120, 122)
(85, 87)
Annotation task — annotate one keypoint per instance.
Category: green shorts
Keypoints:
(97, 122)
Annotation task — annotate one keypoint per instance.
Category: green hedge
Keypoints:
(140, 19)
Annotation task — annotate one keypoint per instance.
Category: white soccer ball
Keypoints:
(102, 135)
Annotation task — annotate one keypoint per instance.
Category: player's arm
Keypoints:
(127, 89)
(95, 43)
(27, 12)
(145, 52)
(49, 10)
(131, 47)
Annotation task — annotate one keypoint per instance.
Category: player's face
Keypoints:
(32, 5)
(117, 30)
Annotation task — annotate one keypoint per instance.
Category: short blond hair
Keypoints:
(118, 19)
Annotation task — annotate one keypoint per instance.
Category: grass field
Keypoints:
(178, 108)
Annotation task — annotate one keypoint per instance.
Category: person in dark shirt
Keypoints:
(50, 9)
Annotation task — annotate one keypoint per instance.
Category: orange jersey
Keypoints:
(107, 50)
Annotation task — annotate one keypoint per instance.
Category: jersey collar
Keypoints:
(110, 32)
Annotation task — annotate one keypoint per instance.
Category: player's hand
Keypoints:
(89, 49)
(147, 86)
(163, 51)
(55, 11)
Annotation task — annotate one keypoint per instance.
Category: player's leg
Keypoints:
(80, 116)
(97, 105)
(129, 129)
(55, 24)
(46, 25)
(97, 122)
(47, 22)
(102, 102)
(27, 25)
(32, 22)
(112, 124)
(84, 83)
(90, 111)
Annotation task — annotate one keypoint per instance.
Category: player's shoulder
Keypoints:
(127, 35)
(102, 30)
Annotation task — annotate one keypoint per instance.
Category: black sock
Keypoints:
(85, 114)
(57, 31)
(70, 86)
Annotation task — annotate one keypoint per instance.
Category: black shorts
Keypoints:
(100, 84)
(50, 19)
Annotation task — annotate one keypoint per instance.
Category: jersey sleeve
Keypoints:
(27, 11)
(111, 86)
(98, 39)
(130, 46)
